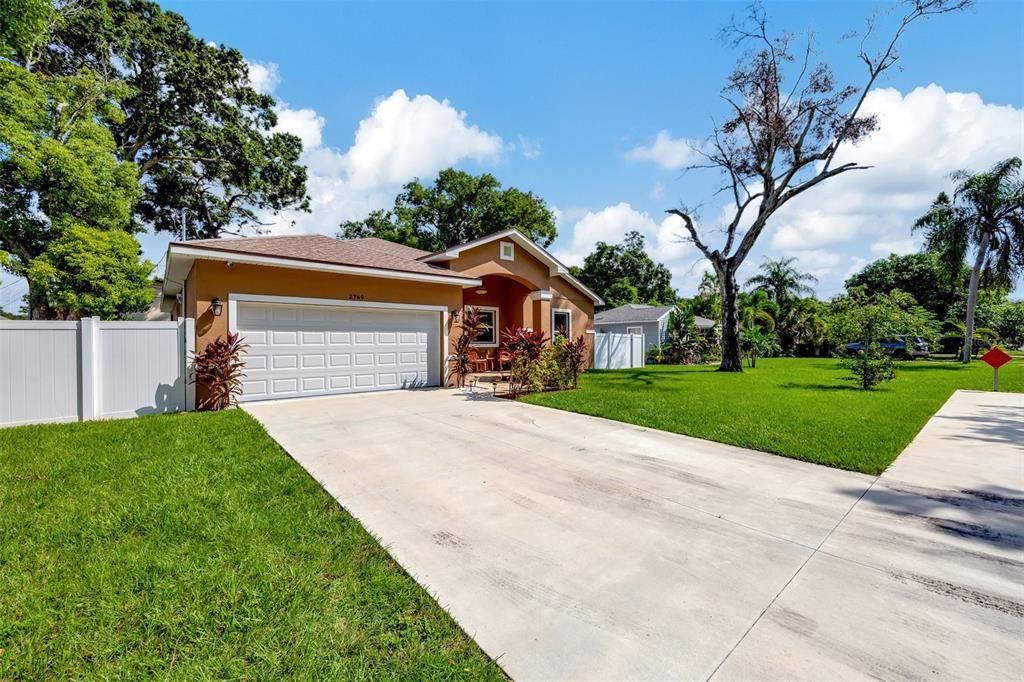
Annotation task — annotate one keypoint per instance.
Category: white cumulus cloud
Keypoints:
(264, 77)
(900, 247)
(306, 124)
(663, 240)
(668, 152)
(402, 138)
(923, 136)
(817, 262)
(406, 137)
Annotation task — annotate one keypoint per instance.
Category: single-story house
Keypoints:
(155, 312)
(640, 318)
(323, 316)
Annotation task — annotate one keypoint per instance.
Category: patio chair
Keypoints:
(504, 362)
(481, 363)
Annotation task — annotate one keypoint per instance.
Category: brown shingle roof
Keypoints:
(367, 253)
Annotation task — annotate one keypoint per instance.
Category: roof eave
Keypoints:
(556, 267)
(180, 256)
(659, 318)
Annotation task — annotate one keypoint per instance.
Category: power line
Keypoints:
(3, 306)
(16, 296)
(153, 269)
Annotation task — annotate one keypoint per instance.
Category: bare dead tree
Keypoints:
(788, 118)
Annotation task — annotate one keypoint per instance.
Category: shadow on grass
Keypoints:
(632, 376)
(930, 366)
(668, 374)
(822, 387)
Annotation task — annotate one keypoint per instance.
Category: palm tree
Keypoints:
(784, 285)
(781, 281)
(708, 301)
(986, 215)
(806, 318)
(757, 310)
(709, 285)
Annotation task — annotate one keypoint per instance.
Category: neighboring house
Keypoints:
(324, 316)
(155, 312)
(640, 318)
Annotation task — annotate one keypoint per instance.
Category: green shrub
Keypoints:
(685, 344)
(870, 367)
(755, 343)
(656, 355)
(538, 367)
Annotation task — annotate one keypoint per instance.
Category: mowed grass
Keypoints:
(796, 407)
(192, 547)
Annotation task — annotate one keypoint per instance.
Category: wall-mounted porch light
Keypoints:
(455, 314)
(216, 307)
(481, 291)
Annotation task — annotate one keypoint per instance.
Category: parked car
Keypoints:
(905, 346)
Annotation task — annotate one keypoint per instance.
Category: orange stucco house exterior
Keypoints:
(324, 316)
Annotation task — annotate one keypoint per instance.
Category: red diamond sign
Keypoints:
(996, 357)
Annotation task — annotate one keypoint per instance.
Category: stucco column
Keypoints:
(542, 311)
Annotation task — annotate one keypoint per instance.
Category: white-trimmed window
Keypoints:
(507, 250)
(561, 322)
(635, 330)
(489, 333)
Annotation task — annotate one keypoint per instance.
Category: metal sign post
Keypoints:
(996, 358)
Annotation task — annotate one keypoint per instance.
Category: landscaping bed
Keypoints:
(803, 408)
(192, 546)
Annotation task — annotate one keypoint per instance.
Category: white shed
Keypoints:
(640, 318)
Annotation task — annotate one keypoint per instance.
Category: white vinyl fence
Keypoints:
(71, 371)
(618, 351)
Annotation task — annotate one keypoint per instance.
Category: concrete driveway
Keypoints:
(572, 547)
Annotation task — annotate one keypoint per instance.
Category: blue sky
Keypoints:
(568, 100)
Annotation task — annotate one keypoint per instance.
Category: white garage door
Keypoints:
(307, 350)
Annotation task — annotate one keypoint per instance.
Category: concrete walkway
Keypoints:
(572, 547)
(925, 576)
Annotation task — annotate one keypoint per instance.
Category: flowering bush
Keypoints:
(525, 347)
(537, 366)
(472, 326)
(570, 355)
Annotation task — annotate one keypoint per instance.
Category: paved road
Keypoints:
(572, 547)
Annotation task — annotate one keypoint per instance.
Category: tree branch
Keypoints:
(888, 56)
(694, 237)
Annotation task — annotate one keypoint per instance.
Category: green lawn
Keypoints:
(192, 547)
(801, 408)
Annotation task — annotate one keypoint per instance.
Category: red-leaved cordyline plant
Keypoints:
(524, 347)
(472, 326)
(575, 355)
(218, 370)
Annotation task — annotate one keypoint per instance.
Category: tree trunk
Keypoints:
(972, 296)
(732, 360)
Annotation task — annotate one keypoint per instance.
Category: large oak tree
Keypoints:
(200, 136)
(66, 201)
(114, 117)
(624, 273)
(456, 208)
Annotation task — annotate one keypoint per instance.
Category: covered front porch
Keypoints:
(507, 302)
